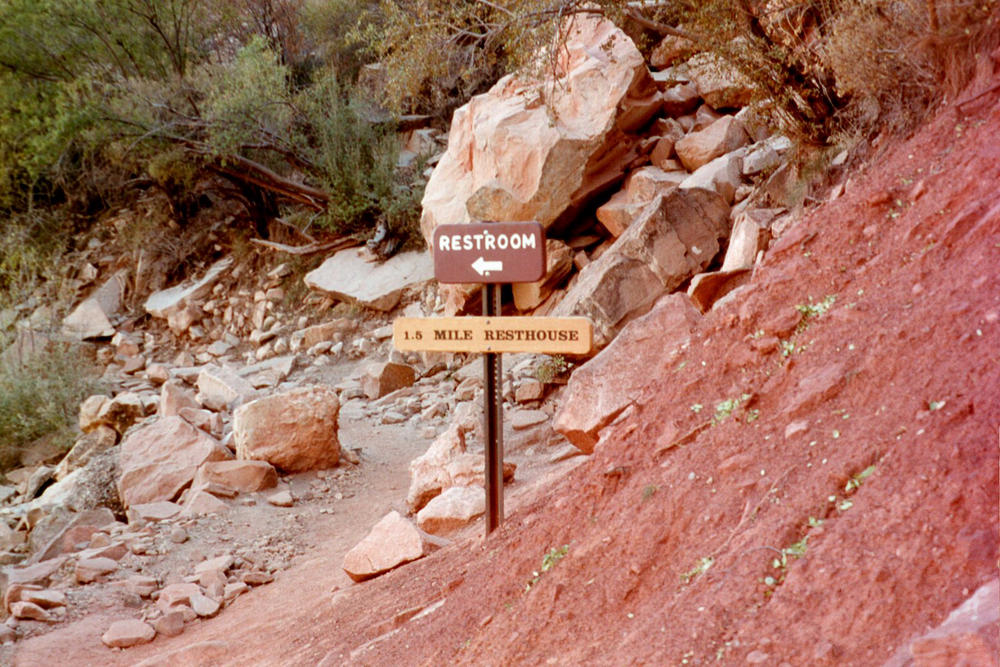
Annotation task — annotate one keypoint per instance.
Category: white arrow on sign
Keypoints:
(482, 267)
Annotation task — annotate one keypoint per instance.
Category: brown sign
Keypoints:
(489, 252)
(549, 335)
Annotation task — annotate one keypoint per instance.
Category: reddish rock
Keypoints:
(385, 378)
(242, 476)
(456, 507)
(604, 386)
(170, 624)
(294, 430)
(30, 611)
(174, 396)
(92, 569)
(392, 542)
(159, 460)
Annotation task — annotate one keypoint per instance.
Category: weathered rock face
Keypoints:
(675, 237)
(294, 430)
(607, 384)
(723, 136)
(392, 542)
(349, 277)
(220, 388)
(428, 475)
(510, 157)
(159, 460)
(241, 476)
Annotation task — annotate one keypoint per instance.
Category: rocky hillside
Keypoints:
(785, 451)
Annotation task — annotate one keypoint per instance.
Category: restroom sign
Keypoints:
(489, 252)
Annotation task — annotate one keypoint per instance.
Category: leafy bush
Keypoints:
(40, 396)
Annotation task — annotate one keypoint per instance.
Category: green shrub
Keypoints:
(40, 396)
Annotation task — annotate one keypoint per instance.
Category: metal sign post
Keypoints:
(492, 254)
(493, 416)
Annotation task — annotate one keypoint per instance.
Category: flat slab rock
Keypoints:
(132, 632)
(349, 277)
(393, 541)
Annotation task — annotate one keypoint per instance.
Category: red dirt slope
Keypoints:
(902, 373)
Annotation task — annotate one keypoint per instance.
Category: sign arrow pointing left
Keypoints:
(482, 266)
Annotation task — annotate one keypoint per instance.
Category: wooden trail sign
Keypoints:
(544, 335)
(489, 252)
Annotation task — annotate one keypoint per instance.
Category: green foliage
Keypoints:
(549, 561)
(723, 409)
(38, 397)
(551, 368)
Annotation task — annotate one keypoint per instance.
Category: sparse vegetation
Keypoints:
(551, 368)
(701, 568)
(723, 409)
(549, 561)
(39, 396)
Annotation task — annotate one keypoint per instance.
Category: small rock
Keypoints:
(123, 634)
(178, 535)
(233, 591)
(203, 605)
(141, 585)
(523, 419)
(170, 624)
(256, 578)
(281, 499)
(92, 569)
(29, 610)
(7, 635)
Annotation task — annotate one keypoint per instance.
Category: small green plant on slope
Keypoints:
(725, 408)
(811, 311)
(549, 561)
(549, 369)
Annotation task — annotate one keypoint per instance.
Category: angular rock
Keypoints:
(281, 499)
(749, 236)
(174, 396)
(721, 175)
(201, 502)
(161, 304)
(203, 605)
(124, 634)
(385, 378)
(347, 276)
(680, 100)
(87, 446)
(318, 333)
(529, 390)
(220, 388)
(46, 599)
(30, 611)
(707, 288)
(512, 157)
(170, 624)
(294, 430)
(675, 237)
(427, 472)
(725, 135)
(122, 411)
(522, 419)
(241, 476)
(392, 542)
(92, 569)
(558, 262)
(87, 321)
(79, 530)
(176, 596)
(670, 50)
(90, 408)
(456, 507)
(602, 388)
(159, 460)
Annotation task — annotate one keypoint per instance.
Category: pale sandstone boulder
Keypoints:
(392, 542)
(724, 135)
(87, 321)
(456, 507)
(294, 430)
(304, 339)
(159, 460)
(532, 150)
(603, 387)
(750, 235)
(349, 276)
(122, 411)
(90, 408)
(161, 304)
(675, 237)
(427, 472)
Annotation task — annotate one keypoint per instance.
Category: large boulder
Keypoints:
(725, 135)
(348, 276)
(158, 461)
(294, 430)
(606, 385)
(675, 237)
(392, 542)
(537, 150)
